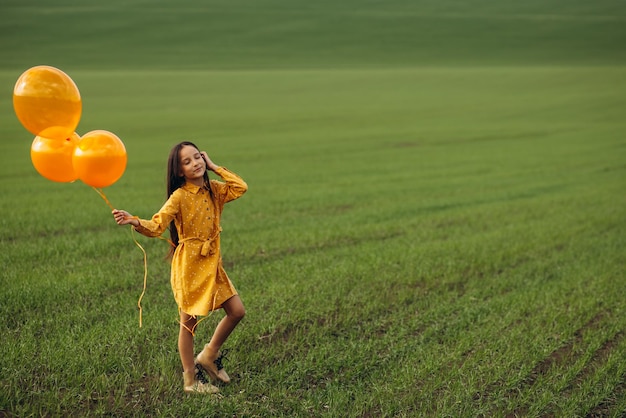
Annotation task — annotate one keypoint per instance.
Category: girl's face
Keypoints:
(192, 164)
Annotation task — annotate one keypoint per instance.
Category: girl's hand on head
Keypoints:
(210, 165)
(124, 218)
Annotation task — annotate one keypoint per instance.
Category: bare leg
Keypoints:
(185, 341)
(209, 356)
(185, 349)
(235, 312)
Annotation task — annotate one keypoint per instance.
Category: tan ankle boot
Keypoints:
(194, 383)
(211, 362)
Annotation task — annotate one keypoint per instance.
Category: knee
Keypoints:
(187, 324)
(238, 314)
(235, 309)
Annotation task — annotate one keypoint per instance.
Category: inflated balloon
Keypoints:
(47, 102)
(52, 158)
(99, 158)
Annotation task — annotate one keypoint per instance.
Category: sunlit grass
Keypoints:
(388, 268)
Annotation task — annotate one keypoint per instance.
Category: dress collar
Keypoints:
(192, 188)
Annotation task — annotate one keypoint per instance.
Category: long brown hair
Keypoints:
(175, 181)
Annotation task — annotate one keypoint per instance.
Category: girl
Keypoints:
(200, 284)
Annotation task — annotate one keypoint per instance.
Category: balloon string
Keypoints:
(145, 273)
(192, 330)
(103, 196)
(145, 256)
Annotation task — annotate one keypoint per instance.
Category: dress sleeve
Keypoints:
(232, 187)
(161, 220)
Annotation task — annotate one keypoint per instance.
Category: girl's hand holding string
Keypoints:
(124, 218)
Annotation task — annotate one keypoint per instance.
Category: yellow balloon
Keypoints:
(99, 158)
(52, 158)
(47, 102)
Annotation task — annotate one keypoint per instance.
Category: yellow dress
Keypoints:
(199, 282)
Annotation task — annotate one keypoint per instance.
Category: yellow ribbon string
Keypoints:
(103, 196)
(169, 241)
(192, 330)
(145, 256)
(145, 273)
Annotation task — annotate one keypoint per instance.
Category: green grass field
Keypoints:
(435, 224)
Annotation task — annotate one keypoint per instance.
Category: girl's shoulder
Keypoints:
(177, 194)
